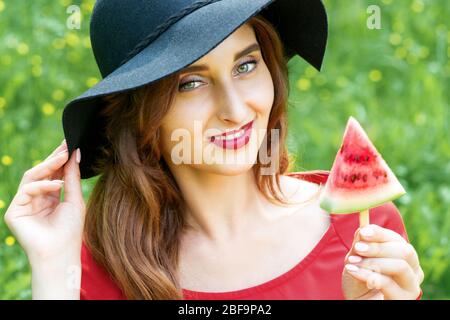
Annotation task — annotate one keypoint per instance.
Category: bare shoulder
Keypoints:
(305, 198)
(297, 190)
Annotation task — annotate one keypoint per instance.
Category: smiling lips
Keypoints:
(234, 139)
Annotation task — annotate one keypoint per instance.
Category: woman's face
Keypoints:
(227, 89)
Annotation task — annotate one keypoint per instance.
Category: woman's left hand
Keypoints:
(389, 266)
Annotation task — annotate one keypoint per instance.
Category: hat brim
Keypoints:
(174, 50)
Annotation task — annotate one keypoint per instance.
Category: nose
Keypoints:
(232, 106)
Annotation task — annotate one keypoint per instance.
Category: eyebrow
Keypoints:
(204, 67)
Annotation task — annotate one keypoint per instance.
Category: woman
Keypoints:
(194, 200)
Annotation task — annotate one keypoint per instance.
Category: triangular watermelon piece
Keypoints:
(359, 179)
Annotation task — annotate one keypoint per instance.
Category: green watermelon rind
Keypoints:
(327, 205)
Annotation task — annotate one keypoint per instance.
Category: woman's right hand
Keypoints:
(49, 229)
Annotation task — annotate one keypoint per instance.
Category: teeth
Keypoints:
(231, 136)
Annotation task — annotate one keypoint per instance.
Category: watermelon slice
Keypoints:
(359, 178)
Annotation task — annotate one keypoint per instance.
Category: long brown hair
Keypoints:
(135, 212)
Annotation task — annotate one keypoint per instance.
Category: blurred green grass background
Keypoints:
(394, 80)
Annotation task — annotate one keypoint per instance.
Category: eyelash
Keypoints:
(254, 61)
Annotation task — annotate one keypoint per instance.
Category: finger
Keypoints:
(375, 233)
(58, 174)
(373, 294)
(45, 169)
(43, 204)
(36, 188)
(385, 284)
(72, 189)
(60, 148)
(396, 268)
(356, 238)
(394, 249)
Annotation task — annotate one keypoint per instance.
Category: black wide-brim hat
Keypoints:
(136, 42)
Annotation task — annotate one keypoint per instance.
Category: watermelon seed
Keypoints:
(385, 175)
(357, 159)
(367, 158)
(365, 178)
(353, 178)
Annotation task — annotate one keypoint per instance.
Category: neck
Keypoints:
(219, 207)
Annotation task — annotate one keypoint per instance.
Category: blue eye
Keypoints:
(185, 86)
(254, 62)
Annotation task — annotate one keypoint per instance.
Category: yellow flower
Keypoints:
(2, 204)
(395, 39)
(401, 53)
(88, 6)
(2, 102)
(375, 75)
(398, 26)
(73, 57)
(92, 81)
(72, 39)
(22, 49)
(7, 160)
(48, 109)
(36, 70)
(58, 95)
(420, 118)
(424, 52)
(10, 240)
(303, 84)
(2, 6)
(36, 59)
(58, 43)
(87, 42)
(64, 3)
(341, 82)
(310, 72)
(417, 6)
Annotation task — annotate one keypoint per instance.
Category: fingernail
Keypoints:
(58, 181)
(359, 246)
(78, 155)
(367, 231)
(351, 268)
(354, 259)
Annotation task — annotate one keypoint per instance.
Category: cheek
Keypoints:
(262, 98)
(180, 122)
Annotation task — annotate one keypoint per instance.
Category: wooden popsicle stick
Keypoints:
(364, 218)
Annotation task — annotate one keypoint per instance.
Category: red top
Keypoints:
(317, 276)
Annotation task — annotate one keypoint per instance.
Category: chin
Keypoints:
(229, 164)
(227, 169)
